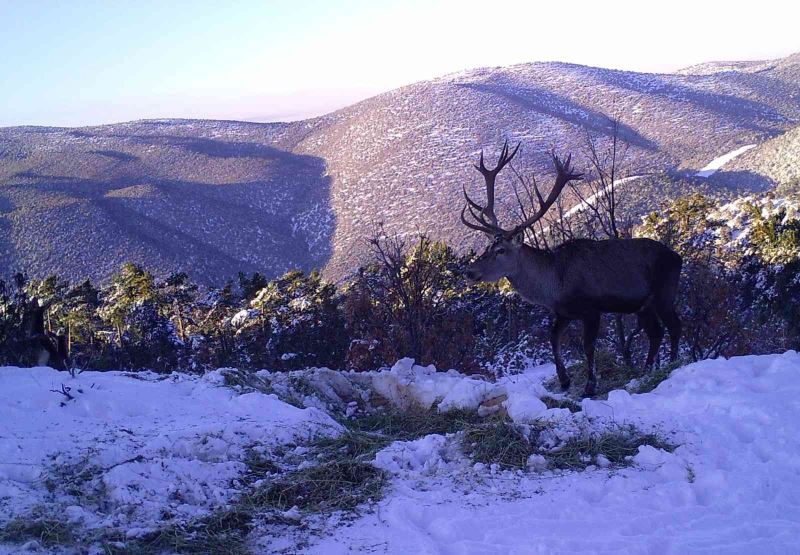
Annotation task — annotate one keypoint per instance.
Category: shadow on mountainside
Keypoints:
(115, 155)
(7, 248)
(562, 108)
(740, 181)
(279, 220)
(216, 148)
(719, 103)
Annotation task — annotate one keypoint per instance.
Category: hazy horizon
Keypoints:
(96, 62)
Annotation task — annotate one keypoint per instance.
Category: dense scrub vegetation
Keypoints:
(739, 294)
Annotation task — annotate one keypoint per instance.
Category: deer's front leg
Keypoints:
(591, 327)
(559, 327)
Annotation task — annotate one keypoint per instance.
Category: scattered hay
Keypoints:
(339, 485)
(617, 445)
(224, 531)
(413, 424)
(48, 531)
(338, 478)
(497, 442)
(501, 442)
(344, 478)
(246, 382)
(562, 403)
(353, 444)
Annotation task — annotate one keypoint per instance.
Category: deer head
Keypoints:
(503, 256)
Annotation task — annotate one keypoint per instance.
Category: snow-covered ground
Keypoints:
(716, 164)
(155, 448)
(176, 445)
(733, 486)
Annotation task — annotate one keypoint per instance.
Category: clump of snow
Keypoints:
(407, 384)
(239, 319)
(424, 455)
(322, 388)
(292, 514)
(537, 462)
(602, 461)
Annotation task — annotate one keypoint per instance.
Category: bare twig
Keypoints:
(65, 391)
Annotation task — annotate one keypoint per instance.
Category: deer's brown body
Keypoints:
(580, 279)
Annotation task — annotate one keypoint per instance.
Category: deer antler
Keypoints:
(564, 175)
(484, 215)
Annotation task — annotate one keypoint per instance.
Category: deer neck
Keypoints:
(535, 277)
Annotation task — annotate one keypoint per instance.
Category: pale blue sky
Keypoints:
(91, 62)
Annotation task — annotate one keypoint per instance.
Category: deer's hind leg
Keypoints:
(655, 333)
(591, 328)
(559, 327)
(665, 307)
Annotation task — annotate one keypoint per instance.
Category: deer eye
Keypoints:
(500, 251)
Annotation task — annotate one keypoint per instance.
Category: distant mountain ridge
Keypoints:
(216, 197)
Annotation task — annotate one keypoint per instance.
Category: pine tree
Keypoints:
(131, 286)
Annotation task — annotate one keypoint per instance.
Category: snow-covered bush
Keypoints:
(407, 304)
(415, 302)
(741, 272)
(295, 322)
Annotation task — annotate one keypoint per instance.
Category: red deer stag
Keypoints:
(580, 279)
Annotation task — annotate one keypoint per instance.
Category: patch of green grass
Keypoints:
(49, 532)
(501, 442)
(497, 441)
(616, 444)
(223, 531)
(649, 381)
(413, 424)
(338, 485)
(246, 381)
(611, 374)
(563, 403)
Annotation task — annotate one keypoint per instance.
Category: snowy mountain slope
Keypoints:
(730, 487)
(401, 157)
(213, 198)
(774, 162)
(780, 65)
(717, 163)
